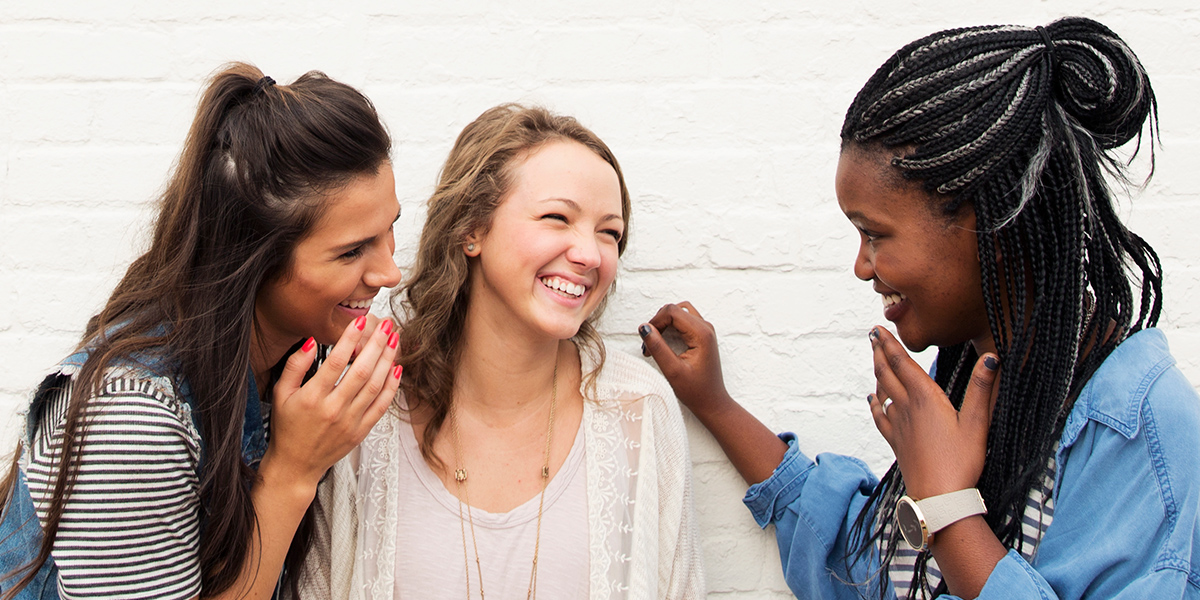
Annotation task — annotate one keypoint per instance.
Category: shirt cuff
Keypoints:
(764, 498)
(1013, 577)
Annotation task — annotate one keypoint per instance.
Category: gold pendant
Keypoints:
(460, 475)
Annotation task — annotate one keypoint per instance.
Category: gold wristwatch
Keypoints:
(918, 520)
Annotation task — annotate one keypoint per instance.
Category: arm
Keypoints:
(939, 450)
(695, 375)
(313, 426)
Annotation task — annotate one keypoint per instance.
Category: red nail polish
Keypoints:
(398, 371)
(392, 339)
(360, 322)
(386, 326)
(309, 344)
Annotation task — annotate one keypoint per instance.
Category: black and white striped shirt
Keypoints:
(1039, 512)
(131, 526)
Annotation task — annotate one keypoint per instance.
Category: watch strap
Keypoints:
(940, 511)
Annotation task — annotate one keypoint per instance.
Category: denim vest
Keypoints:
(20, 530)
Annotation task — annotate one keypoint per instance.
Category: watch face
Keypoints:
(908, 519)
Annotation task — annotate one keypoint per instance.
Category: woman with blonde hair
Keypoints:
(521, 457)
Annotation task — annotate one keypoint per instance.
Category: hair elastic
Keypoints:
(1049, 46)
(263, 84)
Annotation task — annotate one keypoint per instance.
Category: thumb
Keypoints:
(656, 347)
(293, 372)
(980, 397)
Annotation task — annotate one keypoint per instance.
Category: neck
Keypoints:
(503, 378)
(266, 350)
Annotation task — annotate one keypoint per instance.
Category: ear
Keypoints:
(473, 245)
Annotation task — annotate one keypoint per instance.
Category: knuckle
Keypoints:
(895, 361)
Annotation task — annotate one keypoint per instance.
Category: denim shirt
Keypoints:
(1126, 495)
(20, 530)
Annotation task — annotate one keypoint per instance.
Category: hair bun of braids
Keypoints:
(1099, 81)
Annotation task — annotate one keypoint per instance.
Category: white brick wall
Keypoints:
(724, 115)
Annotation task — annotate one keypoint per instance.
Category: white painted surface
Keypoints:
(724, 115)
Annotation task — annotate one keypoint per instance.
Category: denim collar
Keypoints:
(1115, 393)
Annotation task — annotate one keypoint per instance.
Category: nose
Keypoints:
(864, 263)
(584, 252)
(383, 271)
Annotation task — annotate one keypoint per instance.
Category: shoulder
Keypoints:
(1138, 387)
(131, 403)
(626, 376)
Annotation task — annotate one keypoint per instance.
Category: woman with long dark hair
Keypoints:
(176, 453)
(1053, 454)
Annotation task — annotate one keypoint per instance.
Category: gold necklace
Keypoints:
(460, 477)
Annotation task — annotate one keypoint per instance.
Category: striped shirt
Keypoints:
(1039, 512)
(130, 527)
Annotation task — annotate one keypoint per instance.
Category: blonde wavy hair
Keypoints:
(433, 304)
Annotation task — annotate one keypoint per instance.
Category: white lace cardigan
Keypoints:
(643, 541)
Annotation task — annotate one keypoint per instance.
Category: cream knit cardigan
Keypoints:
(643, 542)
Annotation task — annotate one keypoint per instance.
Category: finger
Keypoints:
(887, 384)
(372, 322)
(380, 377)
(692, 328)
(294, 370)
(979, 399)
(879, 415)
(339, 356)
(687, 307)
(380, 405)
(363, 367)
(657, 348)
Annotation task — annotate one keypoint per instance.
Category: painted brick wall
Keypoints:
(724, 115)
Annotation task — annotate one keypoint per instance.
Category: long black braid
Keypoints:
(1017, 124)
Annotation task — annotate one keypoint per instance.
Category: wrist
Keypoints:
(285, 485)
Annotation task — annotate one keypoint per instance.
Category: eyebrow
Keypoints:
(858, 218)
(575, 206)
(357, 243)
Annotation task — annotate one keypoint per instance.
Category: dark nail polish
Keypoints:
(644, 353)
(873, 334)
(644, 330)
(991, 363)
(870, 398)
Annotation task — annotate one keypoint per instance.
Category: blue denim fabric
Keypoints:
(1126, 496)
(20, 530)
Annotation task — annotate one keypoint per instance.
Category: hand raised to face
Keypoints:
(939, 449)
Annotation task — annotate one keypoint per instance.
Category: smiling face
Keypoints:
(337, 268)
(550, 254)
(924, 265)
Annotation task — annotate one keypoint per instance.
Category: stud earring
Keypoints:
(470, 247)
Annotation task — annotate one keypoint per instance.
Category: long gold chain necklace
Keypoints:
(460, 476)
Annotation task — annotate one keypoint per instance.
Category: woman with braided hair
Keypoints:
(1053, 453)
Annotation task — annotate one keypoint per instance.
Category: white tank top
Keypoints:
(429, 539)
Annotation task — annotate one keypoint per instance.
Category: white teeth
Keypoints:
(358, 304)
(564, 286)
(892, 299)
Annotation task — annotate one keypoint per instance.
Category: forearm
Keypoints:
(280, 501)
(967, 551)
(753, 449)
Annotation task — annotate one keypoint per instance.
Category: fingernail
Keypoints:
(643, 350)
(870, 398)
(360, 322)
(399, 370)
(308, 345)
(991, 363)
(644, 330)
(873, 334)
(386, 326)
(392, 339)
